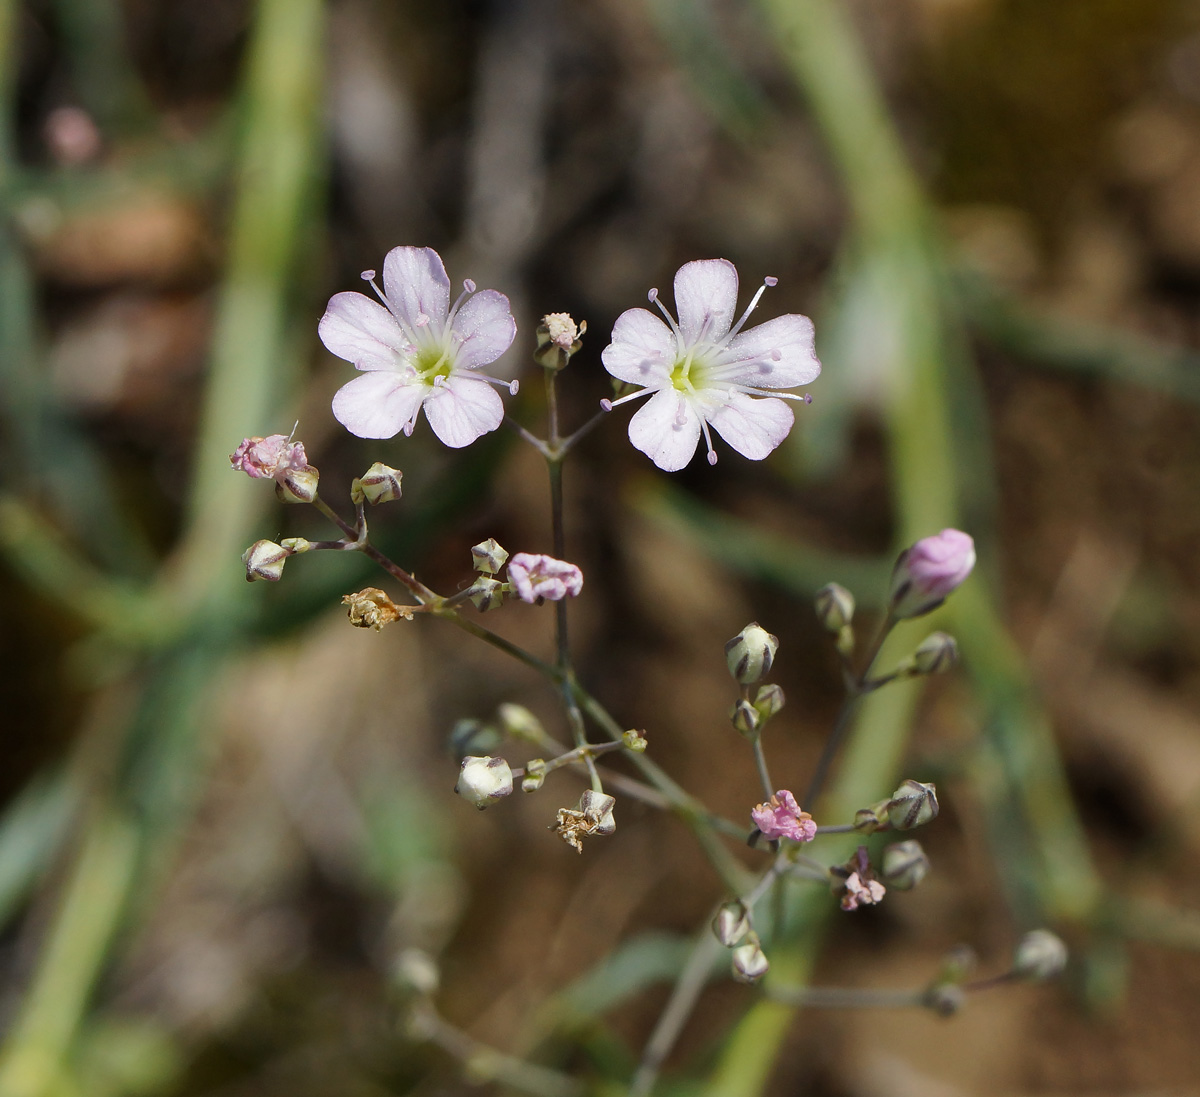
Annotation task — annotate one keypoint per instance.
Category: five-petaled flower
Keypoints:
(534, 576)
(415, 351)
(781, 817)
(704, 370)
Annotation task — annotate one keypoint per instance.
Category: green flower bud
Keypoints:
(486, 593)
(488, 556)
(745, 719)
(298, 485)
(904, 865)
(265, 560)
(379, 484)
(869, 820)
(945, 999)
(750, 654)
(835, 607)
(635, 741)
(768, 701)
(937, 653)
(912, 805)
(518, 722)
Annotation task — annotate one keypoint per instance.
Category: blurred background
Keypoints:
(225, 812)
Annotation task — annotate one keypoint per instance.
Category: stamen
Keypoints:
(608, 405)
(422, 320)
(751, 307)
(295, 427)
(369, 276)
(511, 386)
(712, 453)
(653, 296)
(468, 289)
(514, 388)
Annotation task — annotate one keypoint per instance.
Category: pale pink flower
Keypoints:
(781, 817)
(861, 892)
(930, 570)
(416, 351)
(273, 456)
(534, 576)
(704, 370)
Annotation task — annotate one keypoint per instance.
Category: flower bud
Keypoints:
(749, 962)
(518, 722)
(905, 865)
(483, 780)
(296, 545)
(835, 607)
(945, 999)
(634, 740)
(488, 557)
(768, 701)
(745, 718)
(1039, 955)
(928, 571)
(417, 970)
(379, 484)
(958, 965)
(486, 593)
(750, 654)
(869, 820)
(913, 804)
(470, 736)
(732, 923)
(264, 560)
(372, 608)
(558, 337)
(297, 485)
(534, 576)
(937, 653)
(535, 775)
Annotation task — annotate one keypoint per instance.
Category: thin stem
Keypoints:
(854, 692)
(848, 997)
(579, 754)
(529, 437)
(760, 760)
(678, 1009)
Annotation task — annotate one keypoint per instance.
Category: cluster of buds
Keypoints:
(912, 805)
(532, 577)
(734, 928)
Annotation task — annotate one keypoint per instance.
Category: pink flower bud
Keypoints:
(930, 570)
(781, 817)
(534, 576)
(271, 456)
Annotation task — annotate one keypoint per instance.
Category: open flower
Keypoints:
(415, 351)
(535, 576)
(781, 817)
(701, 371)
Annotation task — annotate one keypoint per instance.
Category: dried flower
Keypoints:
(861, 892)
(558, 337)
(483, 780)
(854, 882)
(781, 817)
(929, 570)
(372, 608)
(593, 815)
(416, 351)
(705, 371)
(263, 458)
(535, 576)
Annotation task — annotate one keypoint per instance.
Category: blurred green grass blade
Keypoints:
(32, 829)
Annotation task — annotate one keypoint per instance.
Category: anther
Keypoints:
(514, 388)
(606, 405)
(367, 276)
(652, 295)
(469, 285)
(770, 281)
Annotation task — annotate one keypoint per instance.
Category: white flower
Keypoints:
(701, 371)
(416, 351)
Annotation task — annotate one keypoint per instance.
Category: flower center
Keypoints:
(432, 362)
(689, 371)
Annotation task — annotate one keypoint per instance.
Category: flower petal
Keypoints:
(486, 327)
(642, 350)
(752, 426)
(378, 404)
(666, 429)
(357, 329)
(416, 286)
(705, 297)
(790, 337)
(463, 409)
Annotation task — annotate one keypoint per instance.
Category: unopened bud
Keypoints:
(558, 337)
(835, 607)
(904, 865)
(750, 654)
(264, 560)
(768, 700)
(297, 485)
(913, 804)
(744, 718)
(634, 740)
(928, 571)
(958, 964)
(937, 653)
(482, 781)
(535, 775)
(869, 820)
(379, 484)
(488, 557)
(417, 970)
(518, 722)
(486, 593)
(945, 999)
(749, 962)
(1039, 955)
(731, 924)
(296, 545)
(470, 736)
(372, 608)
